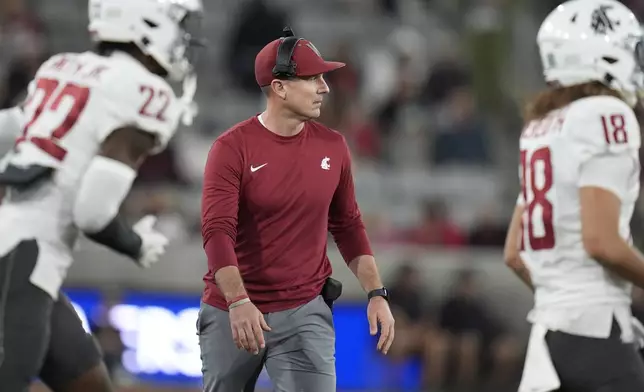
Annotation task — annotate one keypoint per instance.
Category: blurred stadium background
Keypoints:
(431, 104)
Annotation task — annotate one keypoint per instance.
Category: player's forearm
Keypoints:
(621, 258)
(511, 250)
(365, 269)
(520, 270)
(106, 183)
(230, 283)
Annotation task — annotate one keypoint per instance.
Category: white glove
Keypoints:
(153, 243)
(190, 107)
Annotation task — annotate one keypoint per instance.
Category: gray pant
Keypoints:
(299, 354)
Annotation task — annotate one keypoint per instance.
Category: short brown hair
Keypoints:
(557, 97)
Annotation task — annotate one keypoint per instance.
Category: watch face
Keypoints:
(383, 292)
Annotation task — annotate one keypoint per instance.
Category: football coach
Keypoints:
(274, 186)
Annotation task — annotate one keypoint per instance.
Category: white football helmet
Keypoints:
(594, 40)
(157, 27)
(162, 29)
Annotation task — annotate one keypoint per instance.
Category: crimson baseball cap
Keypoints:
(308, 61)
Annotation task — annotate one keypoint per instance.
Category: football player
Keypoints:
(569, 239)
(90, 120)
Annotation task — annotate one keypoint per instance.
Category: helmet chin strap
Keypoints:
(190, 107)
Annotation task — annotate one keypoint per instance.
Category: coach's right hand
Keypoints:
(248, 324)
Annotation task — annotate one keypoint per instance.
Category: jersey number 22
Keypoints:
(45, 89)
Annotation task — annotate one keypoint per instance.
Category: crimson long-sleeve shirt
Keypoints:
(268, 202)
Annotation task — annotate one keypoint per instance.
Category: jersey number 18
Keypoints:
(536, 181)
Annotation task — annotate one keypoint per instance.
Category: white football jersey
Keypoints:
(592, 142)
(75, 101)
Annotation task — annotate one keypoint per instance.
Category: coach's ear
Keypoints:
(128, 145)
(279, 88)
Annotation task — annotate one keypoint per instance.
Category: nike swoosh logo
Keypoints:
(254, 169)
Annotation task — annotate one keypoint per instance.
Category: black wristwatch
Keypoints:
(383, 292)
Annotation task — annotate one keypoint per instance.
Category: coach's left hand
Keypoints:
(378, 313)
